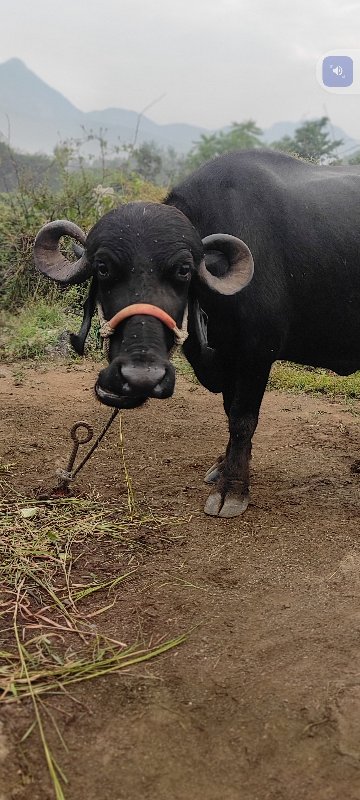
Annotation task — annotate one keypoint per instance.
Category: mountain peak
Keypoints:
(14, 62)
(23, 92)
(38, 116)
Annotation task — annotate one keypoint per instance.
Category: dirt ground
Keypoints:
(262, 702)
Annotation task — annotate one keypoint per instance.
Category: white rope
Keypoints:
(182, 333)
(105, 330)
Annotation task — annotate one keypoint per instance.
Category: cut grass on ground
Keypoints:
(50, 614)
(39, 543)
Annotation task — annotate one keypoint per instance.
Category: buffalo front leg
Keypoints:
(230, 496)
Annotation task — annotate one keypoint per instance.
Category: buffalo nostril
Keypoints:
(140, 377)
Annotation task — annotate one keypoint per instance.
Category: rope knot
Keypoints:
(105, 329)
(64, 474)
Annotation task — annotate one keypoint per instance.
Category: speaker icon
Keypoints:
(337, 71)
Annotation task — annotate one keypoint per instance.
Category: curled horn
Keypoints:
(241, 264)
(51, 262)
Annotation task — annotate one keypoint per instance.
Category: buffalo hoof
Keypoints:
(231, 506)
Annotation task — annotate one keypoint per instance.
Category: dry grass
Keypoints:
(51, 620)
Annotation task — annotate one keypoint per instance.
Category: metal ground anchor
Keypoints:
(67, 475)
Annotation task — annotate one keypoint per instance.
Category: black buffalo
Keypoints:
(264, 248)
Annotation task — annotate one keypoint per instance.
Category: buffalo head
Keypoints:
(141, 253)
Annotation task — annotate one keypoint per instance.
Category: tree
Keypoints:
(311, 141)
(19, 168)
(146, 161)
(172, 166)
(241, 136)
(355, 159)
(153, 163)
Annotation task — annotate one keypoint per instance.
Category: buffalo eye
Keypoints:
(183, 272)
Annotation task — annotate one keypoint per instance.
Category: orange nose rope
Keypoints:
(108, 327)
(143, 308)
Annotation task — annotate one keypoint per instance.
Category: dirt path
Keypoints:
(263, 700)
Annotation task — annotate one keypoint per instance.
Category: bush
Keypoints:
(29, 333)
(81, 199)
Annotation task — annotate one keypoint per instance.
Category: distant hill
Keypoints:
(34, 117)
(37, 117)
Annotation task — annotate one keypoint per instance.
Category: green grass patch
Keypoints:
(183, 367)
(289, 377)
(39, 331)
(33, 330)
(292, 378)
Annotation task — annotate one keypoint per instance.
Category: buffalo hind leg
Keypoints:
(230, 495)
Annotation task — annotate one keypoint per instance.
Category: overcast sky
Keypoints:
(215, 61)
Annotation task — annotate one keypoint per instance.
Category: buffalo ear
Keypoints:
(227, 266)
(208, 367)
(77, 340)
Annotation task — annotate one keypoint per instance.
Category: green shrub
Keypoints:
(37, 326)
(40, 330)
(26, 334)
(80, 198)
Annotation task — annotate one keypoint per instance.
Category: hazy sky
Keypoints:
(215, 61)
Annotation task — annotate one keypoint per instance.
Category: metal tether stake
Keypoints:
(68, 474)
